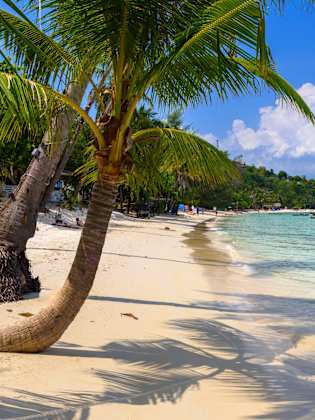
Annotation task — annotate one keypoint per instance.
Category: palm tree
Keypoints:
(153, 52)
(42, 59)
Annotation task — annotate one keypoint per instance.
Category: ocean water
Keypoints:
(276, 244)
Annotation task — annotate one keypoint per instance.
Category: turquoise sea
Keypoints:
(276, 244)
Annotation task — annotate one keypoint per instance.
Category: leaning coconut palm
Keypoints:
(153, 53)
(41, 58)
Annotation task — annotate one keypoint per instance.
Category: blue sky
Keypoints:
(291, 36)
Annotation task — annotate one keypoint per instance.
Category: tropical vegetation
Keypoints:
(262, 188)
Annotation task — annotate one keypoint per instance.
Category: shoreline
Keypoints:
(210, 342)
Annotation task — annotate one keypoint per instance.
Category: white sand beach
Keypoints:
(209, 342)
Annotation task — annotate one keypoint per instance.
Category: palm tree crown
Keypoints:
(174, 52)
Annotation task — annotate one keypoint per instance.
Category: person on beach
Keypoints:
(79, 222)
(58, 218)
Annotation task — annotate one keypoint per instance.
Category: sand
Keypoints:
(210, 342)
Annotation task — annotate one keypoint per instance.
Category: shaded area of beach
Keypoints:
(210, 342)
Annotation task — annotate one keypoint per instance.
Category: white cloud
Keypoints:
(283, 135)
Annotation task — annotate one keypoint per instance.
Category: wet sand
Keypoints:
(210, 342)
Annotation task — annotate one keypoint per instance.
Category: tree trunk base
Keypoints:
(16, 278)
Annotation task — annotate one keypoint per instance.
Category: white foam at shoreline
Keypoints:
(222, 241)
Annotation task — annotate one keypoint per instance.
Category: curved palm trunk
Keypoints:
(18, 216)
(37, 333)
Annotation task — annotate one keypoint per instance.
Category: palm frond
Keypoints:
(25, 107)
(224, 27)
(18, 11)
(88, 171)
(236, 19)
(280, 86)
(186, 151)
(146, 173)
(38, 54)
(160, 151)
(25, 104)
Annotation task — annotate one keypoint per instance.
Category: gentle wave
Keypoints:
(223, 242)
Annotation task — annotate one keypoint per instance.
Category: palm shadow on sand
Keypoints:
(163, 370)
(168, 368)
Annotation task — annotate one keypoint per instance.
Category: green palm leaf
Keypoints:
(26, 104)
(175, 150)
(183, 150)
(224, 26)
(38, 54)
(280, 86)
